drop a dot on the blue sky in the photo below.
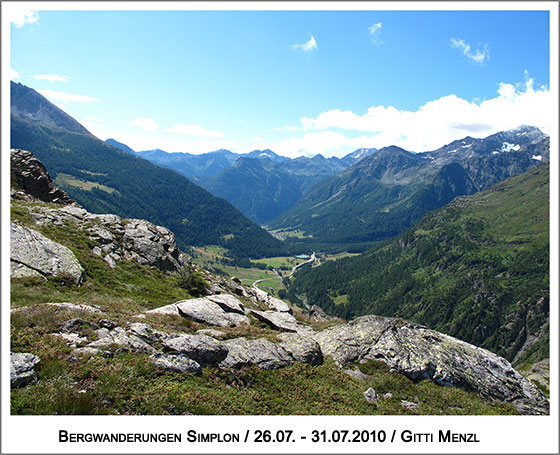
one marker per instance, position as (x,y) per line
(299,83)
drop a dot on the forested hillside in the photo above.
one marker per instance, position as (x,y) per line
(106,180)
(477,269)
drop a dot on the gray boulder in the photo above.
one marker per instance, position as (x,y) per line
(149,244)
(201,348)
(22,368)
(207,312)
(259,352)
(33,254)
(271,302)
(284,322)
(302,348)
(421,353)
(228,303)
(119,337)
(145,332)
(371,396)
(175,361)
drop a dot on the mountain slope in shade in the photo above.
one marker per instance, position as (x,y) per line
(387,191)
(477,269)
(262,188)
(106,180)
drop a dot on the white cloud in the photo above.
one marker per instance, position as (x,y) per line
(195,130)
(67,97)
(437,122)
(286,128)
(306,47)
(146,124)
(13,74)
(51,77)
(19,15)
(375,33)
(481,54)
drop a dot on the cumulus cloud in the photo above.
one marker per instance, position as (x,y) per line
(481,54)
(375,33)
(195,130)
(67,97)
(431,126)
(51,77)
(19,16)
(13,74)
(307,46)
(145,124)
(286,128)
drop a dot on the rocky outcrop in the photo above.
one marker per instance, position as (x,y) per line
(31,176)
(259,352)
(149,244)
(22,368)
(302,348)
(176,362)
(205,311)
(115,238)
(33,254)
(283,322)
(202,349)
(421,353)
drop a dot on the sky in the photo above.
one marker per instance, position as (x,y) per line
(296,82)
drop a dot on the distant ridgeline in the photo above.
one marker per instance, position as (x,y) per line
(387,191)
(477,269)
(106,180)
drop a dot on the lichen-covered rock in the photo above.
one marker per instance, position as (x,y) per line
(421,353)
(228,303)
(284,322)
(145,332)
(201,348)
(302,348)
(175,361)
(272,302)
(119,337)
(149,244)
(33,254)
(371,395)
(259,352)
(22,368)
(29,174)
(207,312)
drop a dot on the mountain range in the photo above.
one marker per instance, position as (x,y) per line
(387,191)
(105,179)
(275,182)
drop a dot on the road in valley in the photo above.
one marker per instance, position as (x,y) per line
(279,277)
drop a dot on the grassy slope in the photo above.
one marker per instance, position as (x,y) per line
(477,269)
(126,383)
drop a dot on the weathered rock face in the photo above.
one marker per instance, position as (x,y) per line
(33,254)
(421,353)
(117,238)
(272,302)
(302,348)
(22,368)
(205,311)
(259,352)
(149,244)
(175,361)
(29,174)
(202,349)
(284,322)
